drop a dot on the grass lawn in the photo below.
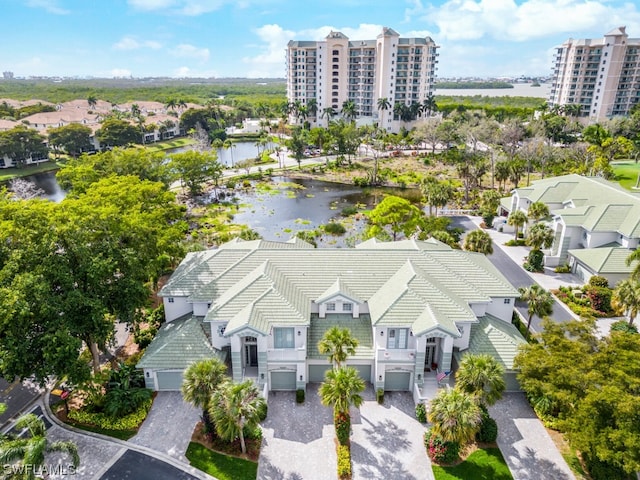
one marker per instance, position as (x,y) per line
(168,144)
(483,464)
(13,172)
(627,173)
(222,467)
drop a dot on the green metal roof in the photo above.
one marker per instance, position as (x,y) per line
(494,337)
(178,344)
(604,259)
(360,329)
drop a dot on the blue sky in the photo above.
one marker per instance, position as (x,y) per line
(247,38)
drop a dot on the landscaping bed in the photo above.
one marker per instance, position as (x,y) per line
(218,445)
(220,466)
(480,462)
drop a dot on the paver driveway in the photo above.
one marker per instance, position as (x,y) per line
(386,442)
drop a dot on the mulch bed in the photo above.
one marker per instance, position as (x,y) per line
(222,446)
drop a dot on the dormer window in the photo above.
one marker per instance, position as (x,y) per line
(331,307)
(347,307)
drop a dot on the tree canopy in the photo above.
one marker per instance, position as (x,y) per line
(397,214)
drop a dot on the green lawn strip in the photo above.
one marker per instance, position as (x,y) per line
(483,464)
(169,144)
(626,173)
(13,172)
(221,466)
(120,434)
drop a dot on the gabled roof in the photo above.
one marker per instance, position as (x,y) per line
(494,337)
(337,288)
(604,259)
(178,344)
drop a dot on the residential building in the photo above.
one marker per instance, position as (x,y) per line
(601,75)
(596,223)
(266,305)
(330,72)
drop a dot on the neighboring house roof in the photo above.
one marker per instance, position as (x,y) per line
(360,329)
(178,344)
(260,284)
(604,259)
(505,203)
(7,124)
(494,337)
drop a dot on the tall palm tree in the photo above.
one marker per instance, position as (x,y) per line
(517,219)
(349,110)
(312,106)
(31,451)
(341,390)
(626,296)
(540,302)
(338,343)
(537,211)
(429,105)
(171,104)
(539,236)
(455,416)
(634,257)
(92,101)
(235,406)
(478,241)
(201,379)
(482,376)
(229,145)
(328,113)
(383,105)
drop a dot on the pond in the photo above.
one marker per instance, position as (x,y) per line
(228,157)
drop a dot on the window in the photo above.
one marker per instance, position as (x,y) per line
(283,338)
(170,299)
(397,338)
(331,307)
(347,307)
(507,301)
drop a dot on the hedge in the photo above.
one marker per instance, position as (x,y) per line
(344,461)
(101,420)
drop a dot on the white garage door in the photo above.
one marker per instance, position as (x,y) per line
(397,381)
(171,381)
(283,380)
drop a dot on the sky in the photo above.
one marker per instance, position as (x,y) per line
(248,38)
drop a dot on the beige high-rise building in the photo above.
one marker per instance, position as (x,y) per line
(326,74)
(601,75)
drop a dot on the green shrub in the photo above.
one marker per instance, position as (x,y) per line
(361,181)
(581,310)
(344,461)
(144,337)
(231,184)
(348,211)
(599,470)
(520,235)
(535,261)
(421,412)
(380,396)
(563,268)
(342,423)
(600,298)
(488,432)
(253,433)
(334,228)
(101,420)
(599,281)
(246,183)
(439,450)
(487,218)
(623,326)
(262,414)
(300,395)
(514,243)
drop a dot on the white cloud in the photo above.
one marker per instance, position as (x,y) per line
(186,72)
(184,50)
(50,6)
(186,7)
(151,4)
(120,72)
(130,43)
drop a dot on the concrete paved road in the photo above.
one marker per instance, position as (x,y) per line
(524,442)
(18,396)
(516,276)
(137,466)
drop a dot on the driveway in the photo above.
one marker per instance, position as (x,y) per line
(525,443)
(169,425)
(386,440)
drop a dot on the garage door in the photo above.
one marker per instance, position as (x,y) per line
(283,380)
(169,380)
(397,381)
(511,382)
(316,372)
(364,371)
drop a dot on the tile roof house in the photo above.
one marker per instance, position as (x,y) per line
(266,305)
(596,223)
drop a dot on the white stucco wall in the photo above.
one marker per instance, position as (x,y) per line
(217,337)
(463,342)
(597,239)
(175,307)
(629,242)
(479,309)
(339,300)
(200,309)
(501,310)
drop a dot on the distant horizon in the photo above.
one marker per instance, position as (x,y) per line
(248,38)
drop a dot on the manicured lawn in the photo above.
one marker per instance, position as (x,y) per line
(13,172)
(627,173)
(222,467)
(483,464)
(168,144)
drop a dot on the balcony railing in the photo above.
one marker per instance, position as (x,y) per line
(396,354)
(287,354)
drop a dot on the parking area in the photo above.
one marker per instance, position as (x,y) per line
(299,440)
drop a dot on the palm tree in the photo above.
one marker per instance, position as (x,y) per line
(482,376)
(540,236)
(626,297)
(634,257)
(383,105)
(537,211)
(328,113)
(229,145)
(235,406)
(338,343)
(135,110)
(429,105)
(92,101)
(455,416)
(478,241)
(30,452)
(540,302)
(349,110)
(341,390)
(201,379)
(517,219)
(312,106)
(436,193)
(171,103)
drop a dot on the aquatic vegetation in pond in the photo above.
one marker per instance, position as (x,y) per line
(302,221)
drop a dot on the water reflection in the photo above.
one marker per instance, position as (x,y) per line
(48,183)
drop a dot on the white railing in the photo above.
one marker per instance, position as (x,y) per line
(394,355)
(287,354)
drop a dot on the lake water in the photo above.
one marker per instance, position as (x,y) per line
(229,157)
(518,90)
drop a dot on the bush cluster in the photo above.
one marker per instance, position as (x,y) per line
(535,261)
(104,421)
(262,414)
(334,228)
(595,301)
(342,423)
(421,412)
(488,432)
(563,268)
(514,243)
(439,450)
(348,211)
(380,396)
(344,461)
(253,433)
(300,395)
